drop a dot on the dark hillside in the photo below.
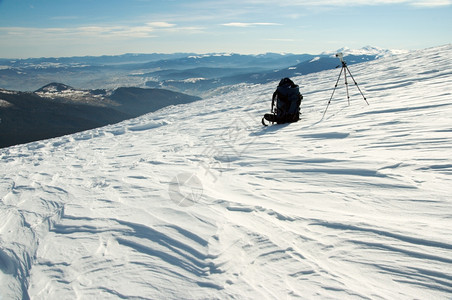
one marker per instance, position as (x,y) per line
(53,111)
(26,117)
(135,101)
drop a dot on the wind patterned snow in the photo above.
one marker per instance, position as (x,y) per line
(200,201)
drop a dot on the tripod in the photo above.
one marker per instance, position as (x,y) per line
(345,70)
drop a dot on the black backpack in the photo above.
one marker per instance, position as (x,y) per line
(286,103)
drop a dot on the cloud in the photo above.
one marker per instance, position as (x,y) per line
(240,24)
(147,30)
(433,3)
(161,24)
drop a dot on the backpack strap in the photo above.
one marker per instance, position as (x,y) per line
(275,94)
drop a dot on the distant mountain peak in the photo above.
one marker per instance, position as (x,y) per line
(366,50)
(54,87)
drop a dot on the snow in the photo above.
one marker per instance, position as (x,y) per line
(69,93)
(193,80)
(8,92)
(314,59)
(210,55)
(368,50)
(4,103)
(199,201)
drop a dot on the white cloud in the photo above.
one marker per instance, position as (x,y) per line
(71,32)
(161,24)
(432,3)
(147,30)
(241,24)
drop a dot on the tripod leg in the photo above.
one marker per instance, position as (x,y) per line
(329,101)
(357,85)
(346,84)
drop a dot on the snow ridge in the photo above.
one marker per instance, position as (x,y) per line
(368,50)
(354,205)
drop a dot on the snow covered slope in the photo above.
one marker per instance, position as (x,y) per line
(199,201)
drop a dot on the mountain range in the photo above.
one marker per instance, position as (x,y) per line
(188,73)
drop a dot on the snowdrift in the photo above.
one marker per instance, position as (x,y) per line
(199,201)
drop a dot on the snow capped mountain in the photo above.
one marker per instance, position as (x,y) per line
(368,50)
(55,87)
(199,201)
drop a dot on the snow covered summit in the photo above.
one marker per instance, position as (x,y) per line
(199,201)
(368,50)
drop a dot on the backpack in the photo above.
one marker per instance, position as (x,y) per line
(286,103)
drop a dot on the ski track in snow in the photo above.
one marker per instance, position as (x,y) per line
(355,205)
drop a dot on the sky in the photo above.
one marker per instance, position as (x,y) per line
(61,28)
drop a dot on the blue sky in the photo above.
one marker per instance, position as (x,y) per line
(44,28)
